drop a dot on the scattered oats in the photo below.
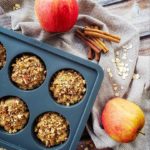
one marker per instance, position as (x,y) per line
(108,70)
(120,69)
(16,7)
(124,57)
(114,84)
(129,46)
(86,148)
(125,50)
(110,74)
(124,70)
(117,53)
(124,76)
(2,149)
(126,65)
(117,60)
(115,88)
(122,87)
(117,94)
(120,64)
(127,69)
(120,73)
(136,76)
(124,47)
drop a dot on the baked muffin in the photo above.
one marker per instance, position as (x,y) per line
(68,87)
(2,55)
(28,72)
(14,114)
(51,129)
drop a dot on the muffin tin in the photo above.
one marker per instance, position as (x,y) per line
(40,100)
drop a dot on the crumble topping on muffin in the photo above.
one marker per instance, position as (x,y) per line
(14,114)
(52,129)
(68,87)
(2,55)
(28,72)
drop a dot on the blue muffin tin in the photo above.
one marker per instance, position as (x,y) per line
(40,100)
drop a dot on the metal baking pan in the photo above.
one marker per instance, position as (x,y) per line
(40,100)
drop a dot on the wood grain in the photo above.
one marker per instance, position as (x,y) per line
(145,46)
(136,12)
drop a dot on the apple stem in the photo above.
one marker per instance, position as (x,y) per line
(141,133)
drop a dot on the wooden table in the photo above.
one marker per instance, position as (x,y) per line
(136,12)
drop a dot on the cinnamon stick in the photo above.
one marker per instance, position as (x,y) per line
(101,44)
(99,35)
(90,53)
(102,32)
(97,56)
(88,41)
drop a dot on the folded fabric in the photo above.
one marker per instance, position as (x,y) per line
(24,21)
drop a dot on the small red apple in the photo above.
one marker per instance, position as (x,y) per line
(56,15)
(122,120)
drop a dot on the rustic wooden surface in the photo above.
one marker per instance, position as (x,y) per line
(137,12)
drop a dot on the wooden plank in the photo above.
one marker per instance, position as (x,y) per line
(110,2)
(88,145)
(145,46)
(136,12)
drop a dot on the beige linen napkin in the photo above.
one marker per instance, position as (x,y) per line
(24,21)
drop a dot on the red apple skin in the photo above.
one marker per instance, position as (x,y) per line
(56,15)
(122,120)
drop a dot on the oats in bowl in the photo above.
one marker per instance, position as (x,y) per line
(28,72)
(68,87)
(14,114)
(2,55)
(51,129)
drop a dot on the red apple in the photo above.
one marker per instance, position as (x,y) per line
(56,15)
(122,120)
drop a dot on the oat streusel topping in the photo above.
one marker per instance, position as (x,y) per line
(28,72)
(13,114)
(68,87)
(2,56)
(52,129)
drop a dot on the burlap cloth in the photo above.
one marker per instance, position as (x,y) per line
(24,21)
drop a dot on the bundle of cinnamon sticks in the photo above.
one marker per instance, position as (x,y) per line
(93,37)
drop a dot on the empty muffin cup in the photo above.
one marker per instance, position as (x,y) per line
(51,129)
(28,72)
(68,87)
(14,114)
(2,55)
